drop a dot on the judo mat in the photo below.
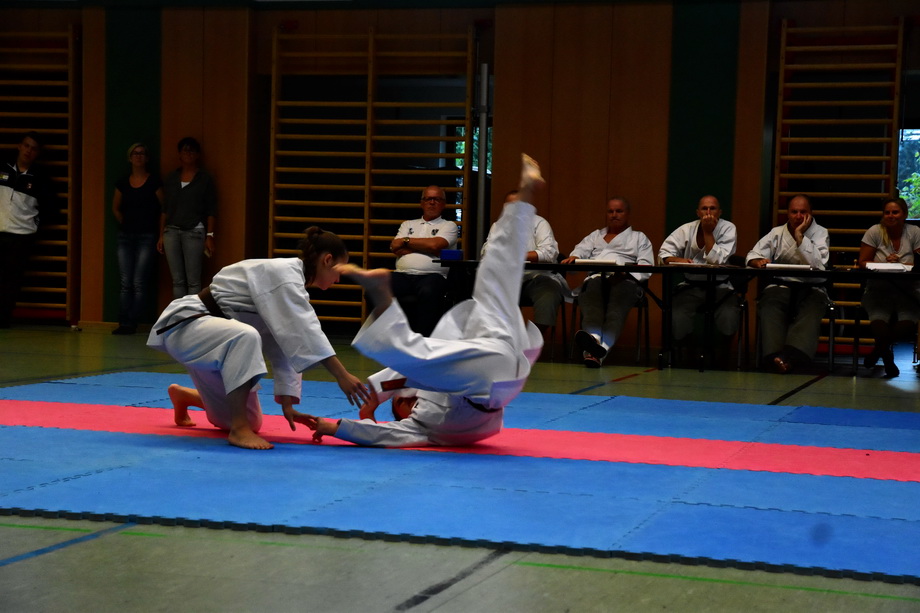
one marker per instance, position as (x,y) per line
(813,490)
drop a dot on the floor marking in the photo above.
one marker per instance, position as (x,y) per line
(81,374)
(713,580)
(76,541)
(795,391)
(53,528)
(603,383)
(437,588)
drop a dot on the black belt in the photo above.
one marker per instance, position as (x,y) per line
(210,304)
(481,408)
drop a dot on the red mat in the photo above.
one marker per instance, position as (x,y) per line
(629,448)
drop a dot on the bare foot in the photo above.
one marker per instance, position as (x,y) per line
(531,179)
(247,439)
(182,398)
(375,281)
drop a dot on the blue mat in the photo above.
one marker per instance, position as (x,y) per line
(803,523)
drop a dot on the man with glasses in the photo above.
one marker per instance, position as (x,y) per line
(419,283)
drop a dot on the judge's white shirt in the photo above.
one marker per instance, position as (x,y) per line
(422,263)
(628,247)
(681,243)
(779,247)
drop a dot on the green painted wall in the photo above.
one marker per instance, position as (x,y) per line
(132,114)
(702,119)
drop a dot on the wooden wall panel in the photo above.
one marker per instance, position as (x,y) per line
(749,196)
(639,111)
(182,99)
(39,20)
(93,165)
(580,127)
(205,94)
(523,93)
(226,66)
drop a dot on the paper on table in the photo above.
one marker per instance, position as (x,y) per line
(790,266)
(888,266)
(586,261)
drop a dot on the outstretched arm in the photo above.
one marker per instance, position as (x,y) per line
(354,389)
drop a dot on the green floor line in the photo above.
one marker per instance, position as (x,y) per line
(33,527)
(719,581)
(186,537)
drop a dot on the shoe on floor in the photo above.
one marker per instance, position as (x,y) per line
(589,345)
(591,362)
(782,365)
(891,369)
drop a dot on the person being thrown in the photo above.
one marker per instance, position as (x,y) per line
(450,388)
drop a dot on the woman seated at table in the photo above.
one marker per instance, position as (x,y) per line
(893,306)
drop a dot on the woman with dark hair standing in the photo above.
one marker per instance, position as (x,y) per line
(136,205)
(893,306)
(253,306)
(187,222)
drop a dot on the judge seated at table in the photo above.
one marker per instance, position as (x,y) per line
(893,305)
(605,300)
(708,240)
(543,289)
(790,309)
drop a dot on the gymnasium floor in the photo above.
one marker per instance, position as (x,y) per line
(82,565)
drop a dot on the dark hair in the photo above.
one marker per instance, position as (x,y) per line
(34,136)
(316,242)
(191,143)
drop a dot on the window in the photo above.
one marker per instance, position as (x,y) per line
(909,170)
(475,156)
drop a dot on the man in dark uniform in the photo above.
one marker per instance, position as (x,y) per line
(26,196)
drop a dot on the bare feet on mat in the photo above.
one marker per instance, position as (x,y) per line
(247,439)
(182,398)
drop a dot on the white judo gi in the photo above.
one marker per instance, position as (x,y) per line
(269,311)
(691,294)
(603,316)
(474,363)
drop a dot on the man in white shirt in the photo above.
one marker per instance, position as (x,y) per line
(710,240)
(603,316)
(417,244)
(790,309)
(544,289)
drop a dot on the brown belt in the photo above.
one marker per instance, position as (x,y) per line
(208,300)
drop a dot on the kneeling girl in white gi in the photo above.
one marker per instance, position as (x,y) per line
(253,306)
(455,383)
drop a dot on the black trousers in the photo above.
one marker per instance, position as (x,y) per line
(15,250)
